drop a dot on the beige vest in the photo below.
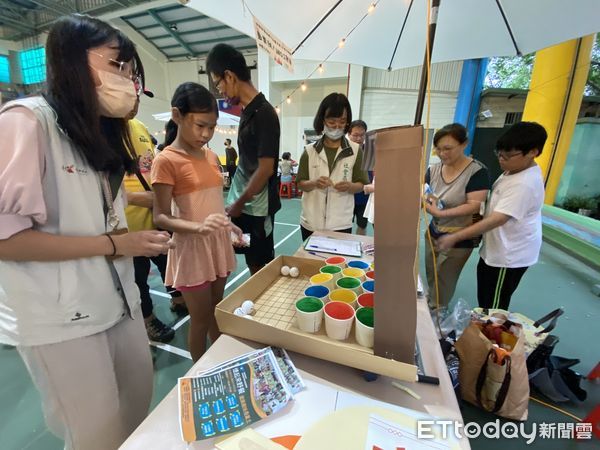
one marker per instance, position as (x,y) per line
(328,209)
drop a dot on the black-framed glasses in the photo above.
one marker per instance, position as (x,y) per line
(217,82)
(505,155)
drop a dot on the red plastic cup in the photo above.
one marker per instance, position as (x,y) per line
(339,317)
(339,310)
(339,261)
(366,300)
(370,275)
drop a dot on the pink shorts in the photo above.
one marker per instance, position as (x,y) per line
(193,288)
(196,287)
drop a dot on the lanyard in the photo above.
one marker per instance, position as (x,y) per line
(111,216)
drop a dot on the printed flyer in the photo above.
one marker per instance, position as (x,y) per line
(237,395)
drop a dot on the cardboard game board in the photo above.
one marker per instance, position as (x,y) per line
(273,323)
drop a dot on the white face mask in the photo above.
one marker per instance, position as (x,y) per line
(333,133)
(116,94)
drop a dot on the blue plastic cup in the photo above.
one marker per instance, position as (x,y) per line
(357,264)
(368,286)
(319,291)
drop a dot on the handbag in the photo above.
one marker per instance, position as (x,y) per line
(552,375)
(494,377)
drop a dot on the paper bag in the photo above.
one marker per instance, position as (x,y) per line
(502,389)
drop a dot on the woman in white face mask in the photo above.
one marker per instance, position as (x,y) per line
(330,171)
(68,300)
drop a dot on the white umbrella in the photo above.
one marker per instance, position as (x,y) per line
(393,36)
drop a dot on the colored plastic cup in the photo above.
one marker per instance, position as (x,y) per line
(358,264)
(373,265)
(353,272)
(339,261)
(309,314)
(324,279)
(368,286)
(366,300)
(364,332)
(350,283)
(339,317)
(319,291)
(370,275)
(344,296)
(336,271)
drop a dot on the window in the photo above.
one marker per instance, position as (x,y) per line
(33,65)
(4,69)
(512,118)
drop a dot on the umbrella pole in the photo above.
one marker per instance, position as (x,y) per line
(435,4)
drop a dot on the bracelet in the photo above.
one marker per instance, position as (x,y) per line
(114,252)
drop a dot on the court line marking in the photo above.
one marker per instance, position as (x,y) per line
(172,349)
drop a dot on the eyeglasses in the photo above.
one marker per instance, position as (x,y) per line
(125,69)
(216,83)
(336,123)
(503,154)
(122,66)
(445,148)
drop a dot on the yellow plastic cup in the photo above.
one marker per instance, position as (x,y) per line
(344,296)
(354,273)
(323,279)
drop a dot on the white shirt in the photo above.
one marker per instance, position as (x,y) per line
(517,243)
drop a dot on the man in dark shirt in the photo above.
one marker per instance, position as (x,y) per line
(253,197)
(230,159)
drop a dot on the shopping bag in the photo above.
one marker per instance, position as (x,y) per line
(492,377)
(533,330)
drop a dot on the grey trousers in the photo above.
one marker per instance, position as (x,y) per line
(97,389)
(449,264)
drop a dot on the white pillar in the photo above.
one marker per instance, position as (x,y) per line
(264,75)
(355,89)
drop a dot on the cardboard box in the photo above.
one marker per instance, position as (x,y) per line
(274,324)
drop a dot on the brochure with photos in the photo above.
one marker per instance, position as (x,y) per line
(232,396)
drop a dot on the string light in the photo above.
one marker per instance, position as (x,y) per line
(320,68)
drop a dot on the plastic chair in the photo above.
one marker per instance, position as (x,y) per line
(285,189)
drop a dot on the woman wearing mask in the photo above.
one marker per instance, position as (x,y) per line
(330,171)
(68,300)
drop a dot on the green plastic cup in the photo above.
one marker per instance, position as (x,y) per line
(336,271)
(309,304)
(349,283)
(309,314)
(365,316)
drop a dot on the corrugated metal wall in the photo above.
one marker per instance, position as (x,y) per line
(445,77)
(390,98)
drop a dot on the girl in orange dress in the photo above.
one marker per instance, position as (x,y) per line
(188,200)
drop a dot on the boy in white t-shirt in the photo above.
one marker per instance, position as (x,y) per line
(512,226)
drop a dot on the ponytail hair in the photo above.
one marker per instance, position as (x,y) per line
(170,132)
